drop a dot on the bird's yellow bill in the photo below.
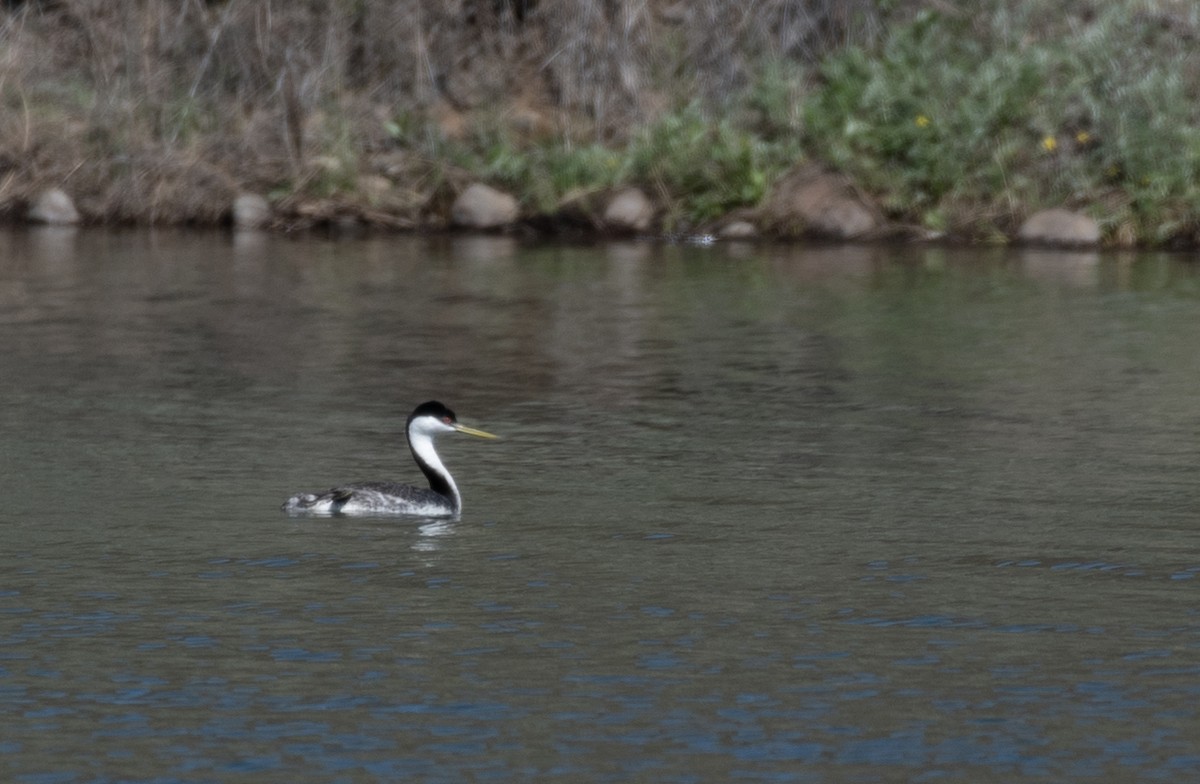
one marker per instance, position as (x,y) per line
(473,432)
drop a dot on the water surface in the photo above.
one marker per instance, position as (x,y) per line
(760,513)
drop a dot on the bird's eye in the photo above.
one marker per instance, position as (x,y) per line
(447,420)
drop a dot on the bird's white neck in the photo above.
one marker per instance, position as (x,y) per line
(431,465)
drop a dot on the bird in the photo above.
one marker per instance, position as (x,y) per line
(440,499)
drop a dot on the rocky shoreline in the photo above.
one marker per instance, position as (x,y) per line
(1010,122)
(807,203)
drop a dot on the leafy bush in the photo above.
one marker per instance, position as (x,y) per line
(707,167)
(932,116)
(970,121)
(701,167)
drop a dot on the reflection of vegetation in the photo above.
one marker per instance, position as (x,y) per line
(958,120)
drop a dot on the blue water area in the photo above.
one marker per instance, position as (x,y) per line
(758,513)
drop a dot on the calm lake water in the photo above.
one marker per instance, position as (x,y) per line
(783,514)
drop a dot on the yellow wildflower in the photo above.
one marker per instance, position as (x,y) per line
(922,121)
(1049,144)
(1083,137)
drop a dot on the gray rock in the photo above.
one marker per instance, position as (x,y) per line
(250,211)
(483,207)
(54,207)
(1059,227)
(812,201)
(844,219)
(629,211)
(738,230)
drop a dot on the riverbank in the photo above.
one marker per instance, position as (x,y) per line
(576,117)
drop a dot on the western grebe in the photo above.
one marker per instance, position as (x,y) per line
(441,499)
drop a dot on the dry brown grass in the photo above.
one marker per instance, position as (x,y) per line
(156,111)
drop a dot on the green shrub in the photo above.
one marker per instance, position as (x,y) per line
(932,116)
(702,167)
(970,121)
(706,166)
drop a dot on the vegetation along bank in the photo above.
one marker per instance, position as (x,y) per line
(1076,122)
